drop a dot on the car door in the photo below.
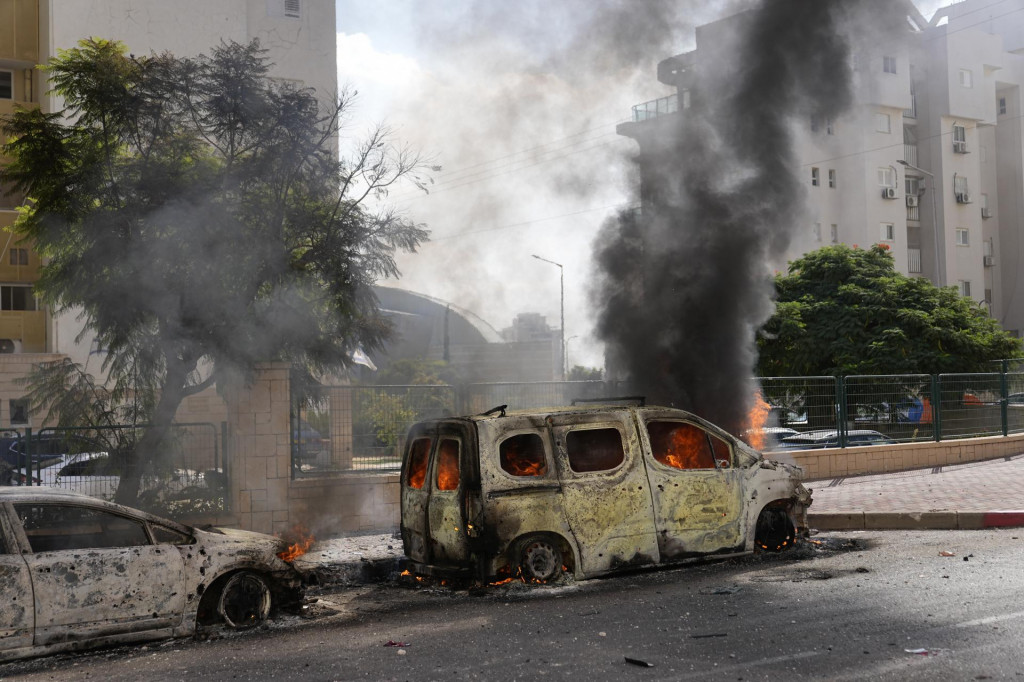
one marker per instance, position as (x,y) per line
(605,492)
(95,573)
(17,612)
(698,501)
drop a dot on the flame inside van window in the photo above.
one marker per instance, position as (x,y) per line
(523,455)
(448,465)
(594,449)
(680,445)
(419,451)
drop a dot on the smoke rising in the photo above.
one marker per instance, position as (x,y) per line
(685,284)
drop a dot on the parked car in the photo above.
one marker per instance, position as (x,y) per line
(769,437)
(94,474)
(44,447)
(309,443)
(829,438)
(80,573)
(587,490)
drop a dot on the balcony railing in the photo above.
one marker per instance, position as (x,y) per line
(914,213)
(910,154)
(914,261)
(656,108)
(912,111)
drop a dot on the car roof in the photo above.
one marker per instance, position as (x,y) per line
(46,494)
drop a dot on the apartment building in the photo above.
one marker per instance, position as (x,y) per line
(300,38)
(929,161)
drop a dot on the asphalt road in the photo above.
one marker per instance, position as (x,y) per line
(849,609)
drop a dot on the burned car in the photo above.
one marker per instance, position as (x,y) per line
(78,572)
(588,491)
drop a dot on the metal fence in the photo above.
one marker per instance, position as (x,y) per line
(188,474)
(361,428)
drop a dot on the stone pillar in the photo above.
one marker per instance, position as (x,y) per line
(259,445)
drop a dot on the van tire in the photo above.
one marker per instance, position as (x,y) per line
(775,531)
(539,558)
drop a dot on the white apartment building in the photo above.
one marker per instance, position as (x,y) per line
(929,161)
(301,42)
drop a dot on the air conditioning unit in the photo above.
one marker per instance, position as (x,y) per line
(989,261)
(888,192)
(986,213)
(10,346)
(963,198)
(911,201)
(960,147)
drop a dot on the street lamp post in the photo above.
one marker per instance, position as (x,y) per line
(935,220)
(561,280)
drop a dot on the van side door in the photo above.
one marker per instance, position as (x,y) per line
(605,492)
(697,491)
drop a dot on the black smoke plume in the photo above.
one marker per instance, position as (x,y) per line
(686,282)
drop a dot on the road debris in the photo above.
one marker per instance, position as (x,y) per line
(638,662)
(714,634)
(392,642)
(946,553)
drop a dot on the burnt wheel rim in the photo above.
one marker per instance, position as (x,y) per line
(541,560)
(245,601)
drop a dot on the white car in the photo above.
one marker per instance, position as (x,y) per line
(81,572)
(93,474)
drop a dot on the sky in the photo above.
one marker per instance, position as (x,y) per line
(519,109)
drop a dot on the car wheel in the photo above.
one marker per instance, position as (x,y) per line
(540,559)
(775,532)
(244,601)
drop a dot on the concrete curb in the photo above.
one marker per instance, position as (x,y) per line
(938,520)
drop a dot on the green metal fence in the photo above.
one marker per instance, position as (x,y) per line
(361,428)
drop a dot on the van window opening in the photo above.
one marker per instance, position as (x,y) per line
(448,465)
(419,452)
(680,445)
(523,455)
(594,450)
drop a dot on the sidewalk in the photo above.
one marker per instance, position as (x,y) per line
(962,497)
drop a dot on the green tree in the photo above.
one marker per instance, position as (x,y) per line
(581,373)
(197,214)
(843,311)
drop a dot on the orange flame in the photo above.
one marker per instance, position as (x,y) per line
(756,419)
(303,541)
(519,463)
(448,465)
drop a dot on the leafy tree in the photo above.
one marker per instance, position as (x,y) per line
(196,212)
(844,311)
(417,372)
(581,373)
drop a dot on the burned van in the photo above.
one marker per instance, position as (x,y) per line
(588,491)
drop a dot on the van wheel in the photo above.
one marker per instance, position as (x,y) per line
(244,600)
(540,559)
(775,532)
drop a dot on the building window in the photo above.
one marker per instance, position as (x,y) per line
(963,238)
(888,232)
(912,186)
(889,64)
(832,178)
(15,297)
(882,124)
(686,99)
(960,189)
(815,177)
(959,133)
(6,85)
(834,233)
(19,256)
(887,177)
(830,128)
(817,232)
(965,287)
(966,78)
(19,411)
(1002,106)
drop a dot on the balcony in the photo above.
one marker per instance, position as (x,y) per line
(655,108)
(914,261)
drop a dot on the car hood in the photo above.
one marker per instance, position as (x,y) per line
(237,537)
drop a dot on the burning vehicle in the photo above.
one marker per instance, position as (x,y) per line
(587,490)
(77,573)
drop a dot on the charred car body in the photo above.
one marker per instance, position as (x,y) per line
(77,573)
(587,490)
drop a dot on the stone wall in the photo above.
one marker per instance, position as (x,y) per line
(265,498)
(878,459)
